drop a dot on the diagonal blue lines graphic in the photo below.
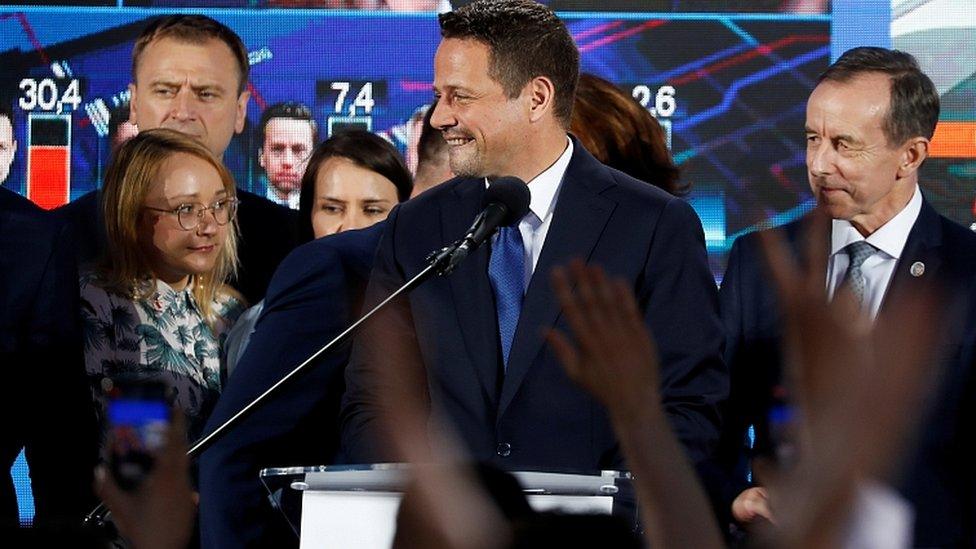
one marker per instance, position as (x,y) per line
(738,85)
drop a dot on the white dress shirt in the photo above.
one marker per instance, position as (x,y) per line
(535,225)
(880,516)
(291,201)
(878,269)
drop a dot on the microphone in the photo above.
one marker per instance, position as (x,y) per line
(506,202)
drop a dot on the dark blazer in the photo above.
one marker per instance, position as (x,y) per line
(267,233)
(314,295)
(535,416)
(939,477)
(47,409)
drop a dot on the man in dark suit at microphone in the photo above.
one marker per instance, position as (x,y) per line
(505,76)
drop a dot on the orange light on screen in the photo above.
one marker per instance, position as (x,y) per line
(954,140)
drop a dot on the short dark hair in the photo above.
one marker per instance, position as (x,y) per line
(913,108)
(622,134)
(288,109)
(431,147)
(194,29)
(7,112)
(366,150)
(525,40)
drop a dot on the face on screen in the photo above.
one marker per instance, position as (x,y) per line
(191,88)
(349,196)
(853,171)
(485,130)
(287,144)
(174,253)
(8,147)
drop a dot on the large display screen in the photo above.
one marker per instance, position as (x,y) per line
(728,88)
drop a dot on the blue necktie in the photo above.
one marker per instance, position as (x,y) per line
(506,270)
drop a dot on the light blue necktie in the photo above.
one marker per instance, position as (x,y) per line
(506,271)
(857,252)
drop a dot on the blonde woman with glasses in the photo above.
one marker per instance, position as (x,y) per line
(158,307)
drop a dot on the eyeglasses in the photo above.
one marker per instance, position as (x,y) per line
(190,215)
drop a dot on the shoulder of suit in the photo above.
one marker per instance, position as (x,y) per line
(635,189)
(324,264)
(329,254)
(253,201)
(958,248)
(748,245)
(431,198)
(20,215)
(15,203)
(957,234)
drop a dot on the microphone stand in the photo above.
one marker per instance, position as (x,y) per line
(441,263)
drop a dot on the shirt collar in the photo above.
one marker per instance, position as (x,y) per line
(291,201)
(544,186)
(890,238)
(165,296)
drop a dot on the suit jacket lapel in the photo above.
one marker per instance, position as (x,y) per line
(474,302)
(922,246)
(578,221)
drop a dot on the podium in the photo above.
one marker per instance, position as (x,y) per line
(356,506)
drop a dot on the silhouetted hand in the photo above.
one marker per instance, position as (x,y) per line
(851,380)
(614,358)
(443,505)
(159,513)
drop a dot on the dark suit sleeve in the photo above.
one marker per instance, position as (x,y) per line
(310,301)
(682,313)
(722,473)
(61,445)
(388,339)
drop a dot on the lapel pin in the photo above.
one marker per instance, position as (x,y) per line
(917,269)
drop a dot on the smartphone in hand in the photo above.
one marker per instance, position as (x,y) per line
(139,417)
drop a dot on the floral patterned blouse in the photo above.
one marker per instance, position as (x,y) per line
(163,338)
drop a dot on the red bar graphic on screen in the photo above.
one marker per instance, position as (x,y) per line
(47,184)
(49,160)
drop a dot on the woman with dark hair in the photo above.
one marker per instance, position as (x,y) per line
(622,134)
(352,181)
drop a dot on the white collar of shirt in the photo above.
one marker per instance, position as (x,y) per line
(166,296)
(545,193)
(545,186)
(890,238)
(878,269)
(291,201)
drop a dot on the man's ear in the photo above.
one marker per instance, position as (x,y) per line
(914,152)
(241,111)
(133,119)
(542,97)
